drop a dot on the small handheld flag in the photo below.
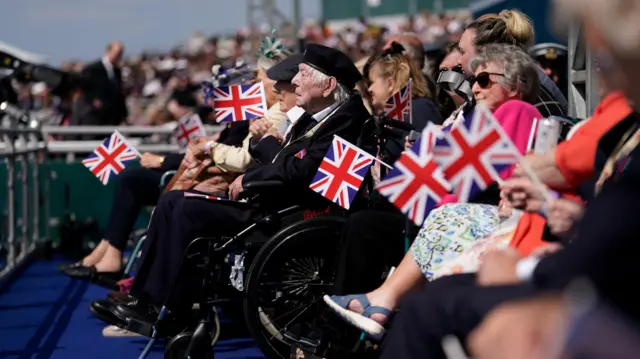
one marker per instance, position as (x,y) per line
(188,129)
(416,184)
(341,172)
(473,154)
(398,107)
(239,102)
(111,157)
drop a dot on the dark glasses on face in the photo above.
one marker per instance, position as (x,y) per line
(483,79)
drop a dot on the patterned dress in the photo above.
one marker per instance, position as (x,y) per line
(449,231)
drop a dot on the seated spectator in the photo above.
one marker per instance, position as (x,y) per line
(324,90)
(505,77)
(229,155)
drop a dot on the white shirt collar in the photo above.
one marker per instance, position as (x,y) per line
(320,116)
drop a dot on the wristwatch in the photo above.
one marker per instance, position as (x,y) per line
(209,146)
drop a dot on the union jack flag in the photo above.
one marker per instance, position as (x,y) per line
(398,107)
(111,157)
(239,102)
(188,129)
(474,153)
(341,172)
(416,184)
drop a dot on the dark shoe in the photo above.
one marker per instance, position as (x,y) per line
(102,309)
(137,310)
(119,297)
(69,266)
(107,280)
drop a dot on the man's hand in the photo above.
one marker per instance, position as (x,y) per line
(274,132)
(150,160)
(235,188)
(407,144)
(259,127)
(562,214)
(498,268)
(528,329)
(522,194)
(97,104)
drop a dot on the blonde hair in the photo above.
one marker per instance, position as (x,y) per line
(508,27)
(392,63)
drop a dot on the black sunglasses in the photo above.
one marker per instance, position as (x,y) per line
(483,79)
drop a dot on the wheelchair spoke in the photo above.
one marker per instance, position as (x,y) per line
(286,326)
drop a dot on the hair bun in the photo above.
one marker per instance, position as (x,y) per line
(395,48)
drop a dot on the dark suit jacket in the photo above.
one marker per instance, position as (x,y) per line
(98,86)
(297,173)
(267,149)
(607,245)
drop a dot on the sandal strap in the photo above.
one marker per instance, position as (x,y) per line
(344,300)
(371,310)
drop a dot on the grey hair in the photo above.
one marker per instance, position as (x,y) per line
(520,70)
(340,94)
(265,63)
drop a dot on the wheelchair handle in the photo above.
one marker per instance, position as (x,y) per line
(395,124)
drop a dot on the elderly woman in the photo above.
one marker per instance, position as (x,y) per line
(506,81)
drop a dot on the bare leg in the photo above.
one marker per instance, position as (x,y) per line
(111,261)
(405,278)
(96,255)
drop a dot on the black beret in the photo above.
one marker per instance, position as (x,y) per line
(333,63)
(286,69)
(549,51)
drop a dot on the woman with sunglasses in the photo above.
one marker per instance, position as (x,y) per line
(506,80)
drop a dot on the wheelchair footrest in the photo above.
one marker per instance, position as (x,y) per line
(140,327)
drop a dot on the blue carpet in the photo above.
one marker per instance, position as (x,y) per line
(44,314)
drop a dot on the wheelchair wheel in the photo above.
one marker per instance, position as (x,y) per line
(176,348)
(287,280)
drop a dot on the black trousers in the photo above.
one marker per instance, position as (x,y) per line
(451,305)
(178,220)
(372,241)
(135,188)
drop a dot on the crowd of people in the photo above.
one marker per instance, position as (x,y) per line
(147,81)
(538,265)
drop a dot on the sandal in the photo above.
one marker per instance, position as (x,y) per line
(339,305)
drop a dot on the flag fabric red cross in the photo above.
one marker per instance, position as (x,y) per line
(188,129)
(398,107)
(111,157)
(416,184)
(239,102)
(341,172)
(473,154)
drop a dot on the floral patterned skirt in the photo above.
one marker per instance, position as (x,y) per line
(449,231)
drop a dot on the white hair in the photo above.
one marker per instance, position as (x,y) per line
(341,92)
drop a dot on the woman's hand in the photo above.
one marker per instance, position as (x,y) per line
(522,194)
(562,215)
(150,160)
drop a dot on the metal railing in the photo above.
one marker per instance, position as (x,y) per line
(24,147)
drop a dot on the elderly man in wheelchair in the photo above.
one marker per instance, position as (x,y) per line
(164,279)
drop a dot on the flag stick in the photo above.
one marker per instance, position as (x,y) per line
(452,348)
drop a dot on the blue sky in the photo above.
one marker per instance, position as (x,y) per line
(66,29)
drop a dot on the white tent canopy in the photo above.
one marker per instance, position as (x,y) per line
(22,54)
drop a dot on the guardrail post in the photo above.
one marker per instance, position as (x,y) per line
(11,202)
(24,179)
(35,178)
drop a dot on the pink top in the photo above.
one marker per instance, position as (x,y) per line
(517,119)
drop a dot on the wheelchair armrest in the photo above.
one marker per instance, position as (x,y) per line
(262,185)
(166,177)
